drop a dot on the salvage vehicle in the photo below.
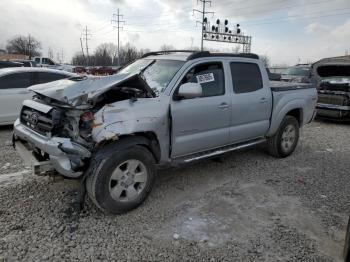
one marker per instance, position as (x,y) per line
(332,78)
(13,88)
(163,110)
(300,73)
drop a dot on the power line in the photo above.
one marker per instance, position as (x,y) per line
(287,19)
(203,12)
(119,22)
(269,9)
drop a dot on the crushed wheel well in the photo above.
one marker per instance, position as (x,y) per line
(152,143)
(298,114)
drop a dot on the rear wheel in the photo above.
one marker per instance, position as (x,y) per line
(284,142)
(122,180)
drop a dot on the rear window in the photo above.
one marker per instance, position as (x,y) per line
(246,77)
(17,80)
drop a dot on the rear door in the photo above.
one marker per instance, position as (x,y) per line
(251,102)
(201,123)
(13,90)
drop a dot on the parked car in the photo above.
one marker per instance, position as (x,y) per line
(26,63)
(6,64)
(332,77)
(161,110)
(13,88)
(300,73)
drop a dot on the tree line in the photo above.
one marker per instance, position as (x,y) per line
(105,54)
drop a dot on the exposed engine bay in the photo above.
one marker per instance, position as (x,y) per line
(77,122)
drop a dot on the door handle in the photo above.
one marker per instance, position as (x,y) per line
(223,106)
(263,100)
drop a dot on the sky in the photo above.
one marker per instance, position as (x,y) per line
(287,31)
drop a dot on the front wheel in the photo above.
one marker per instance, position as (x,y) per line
(284,142)
(122,180)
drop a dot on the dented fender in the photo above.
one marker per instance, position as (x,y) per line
(130,117)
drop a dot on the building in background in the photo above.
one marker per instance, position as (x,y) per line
(9,57)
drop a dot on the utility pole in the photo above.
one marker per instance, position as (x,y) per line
(119,22)
(86,38)
(82,49)
(203,12)
(29,47)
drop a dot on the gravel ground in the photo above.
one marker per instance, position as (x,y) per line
(245,206)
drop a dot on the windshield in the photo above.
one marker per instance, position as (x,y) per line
(158,73)
(297,71)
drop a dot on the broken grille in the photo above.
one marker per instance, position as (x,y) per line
(36,120)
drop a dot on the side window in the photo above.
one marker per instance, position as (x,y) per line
(49,77)
(37,60)
(17,80)
(210,76)
(45,61)
(246,77)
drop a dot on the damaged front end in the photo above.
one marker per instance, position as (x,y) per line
(54,130)
(333,84)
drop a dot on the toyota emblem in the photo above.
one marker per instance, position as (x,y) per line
(34,119)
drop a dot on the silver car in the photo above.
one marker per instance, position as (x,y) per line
(13,88)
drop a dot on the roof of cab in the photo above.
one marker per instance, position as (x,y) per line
(11,70)
(185,55)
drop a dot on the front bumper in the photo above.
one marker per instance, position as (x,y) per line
(63,154)
(333,111)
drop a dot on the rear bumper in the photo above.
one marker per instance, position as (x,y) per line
(333,111)
(63,154)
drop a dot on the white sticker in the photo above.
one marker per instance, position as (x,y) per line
(205,78)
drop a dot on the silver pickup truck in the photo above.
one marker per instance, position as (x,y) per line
(162,110)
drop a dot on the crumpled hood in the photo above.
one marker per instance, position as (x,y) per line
(76,92)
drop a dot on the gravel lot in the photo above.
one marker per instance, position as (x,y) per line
(245,206)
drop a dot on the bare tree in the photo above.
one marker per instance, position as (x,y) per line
(78,59)
(50,53)
(103,56)
(24,45)
(165,47)
(266,60)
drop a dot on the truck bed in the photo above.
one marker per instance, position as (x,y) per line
(278,86)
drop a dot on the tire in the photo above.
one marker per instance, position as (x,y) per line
(284,142)
(121,180)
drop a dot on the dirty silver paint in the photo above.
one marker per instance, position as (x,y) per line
(245,116)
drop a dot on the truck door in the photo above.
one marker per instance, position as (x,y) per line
(251,102)
(13,90)
(201,123)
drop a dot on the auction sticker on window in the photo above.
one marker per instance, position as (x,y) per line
(205,78)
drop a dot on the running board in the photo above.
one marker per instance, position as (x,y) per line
(221,150)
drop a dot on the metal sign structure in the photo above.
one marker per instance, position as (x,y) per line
(220,32)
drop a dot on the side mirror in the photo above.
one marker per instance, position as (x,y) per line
(189,90)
